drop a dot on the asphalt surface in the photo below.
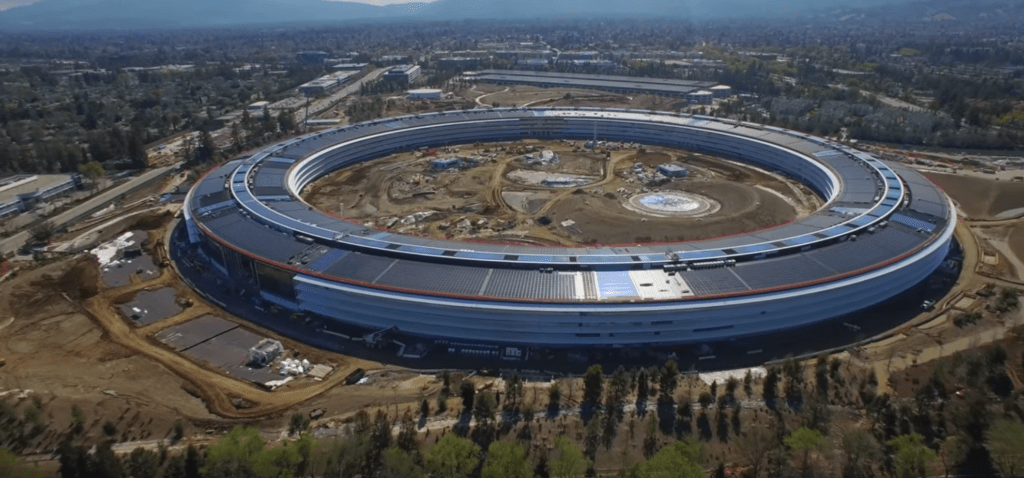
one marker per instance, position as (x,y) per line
(151,306)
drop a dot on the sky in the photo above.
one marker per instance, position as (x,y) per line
(5,4)
(379,2)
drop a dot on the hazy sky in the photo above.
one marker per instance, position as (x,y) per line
(381,2)
(5,4)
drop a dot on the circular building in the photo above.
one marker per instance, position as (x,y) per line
(883,229)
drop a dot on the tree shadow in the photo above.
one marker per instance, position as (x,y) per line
(722,426)
(704,427)
(483,434)
(509,419)
(461,427)
(684,426)
(553,410)
(641,407)
(666,417)
(587,411)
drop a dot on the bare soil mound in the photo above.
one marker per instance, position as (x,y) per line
(78,279)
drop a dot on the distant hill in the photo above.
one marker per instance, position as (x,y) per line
(683,9)
(940,11)
(146,14)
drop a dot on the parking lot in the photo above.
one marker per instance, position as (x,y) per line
(151,306)
(219,343)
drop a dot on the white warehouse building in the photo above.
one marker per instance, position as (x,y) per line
(425,94)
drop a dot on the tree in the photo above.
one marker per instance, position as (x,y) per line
(680,459)
(541,469)
(236,138)
(643,386)
(951,452)
(554,397)
(770,388)
(803,441)
(593,383)
(483,407)
(912,458)
(406,439)
(424,408)
(442,403)
(74,460)
(467,391)
(137,150)
(615,398)
(705,400)
(43,231)
(668,381)
(297,424)
(794,372)
(528,413)
(396,463)
(77,419)
(234,455)
(861,450)
(730,389)
(177,430)
(817,415)
(453,457)
(1004,444)
(103,463)
(207,150)
(92,171)
(755,446)
(277,462)
(446,383)
(513,391)
(506,460)
(570,463)
(285,121)
(12,465)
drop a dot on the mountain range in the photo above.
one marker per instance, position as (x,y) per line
(146,14)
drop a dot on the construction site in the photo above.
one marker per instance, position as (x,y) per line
(103,321)
(561,193)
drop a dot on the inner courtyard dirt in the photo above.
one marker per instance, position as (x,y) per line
(557,193)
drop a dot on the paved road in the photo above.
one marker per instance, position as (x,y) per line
(318,106)
(14,242)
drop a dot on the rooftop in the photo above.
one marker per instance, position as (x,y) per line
(14,186)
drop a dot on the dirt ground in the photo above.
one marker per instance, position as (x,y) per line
(1008,241)
(66,343)
(981,198)
(1016,243)
(495,201)
(53,349)
(523,95)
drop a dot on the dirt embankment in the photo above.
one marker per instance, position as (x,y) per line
(981,198)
